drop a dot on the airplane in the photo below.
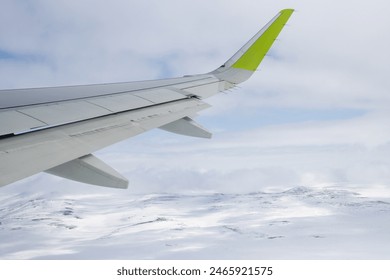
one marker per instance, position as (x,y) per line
(57,129)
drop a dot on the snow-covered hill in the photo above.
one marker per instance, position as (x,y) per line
(300,223)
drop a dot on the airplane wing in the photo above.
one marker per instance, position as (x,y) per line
(57,129)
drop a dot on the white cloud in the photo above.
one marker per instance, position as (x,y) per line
(333,55)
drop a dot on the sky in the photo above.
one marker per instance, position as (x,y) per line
(316,113)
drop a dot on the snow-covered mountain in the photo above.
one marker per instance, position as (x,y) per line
(299,223)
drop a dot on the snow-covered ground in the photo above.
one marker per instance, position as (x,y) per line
(297,223)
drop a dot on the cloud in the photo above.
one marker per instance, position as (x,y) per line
(315,113)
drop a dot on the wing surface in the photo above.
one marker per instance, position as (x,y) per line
(56,129)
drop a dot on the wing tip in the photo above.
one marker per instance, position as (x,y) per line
(246,61)
(289,10)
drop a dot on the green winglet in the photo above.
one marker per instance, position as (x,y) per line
(251,59)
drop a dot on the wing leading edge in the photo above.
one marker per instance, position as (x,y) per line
(57,129)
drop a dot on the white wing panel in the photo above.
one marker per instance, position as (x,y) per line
(121,102)
(12,121)
(160,95)
(205,90)
(65,112)
(198,82)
